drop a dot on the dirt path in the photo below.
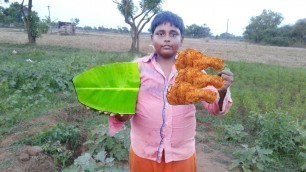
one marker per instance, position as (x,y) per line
(228,50)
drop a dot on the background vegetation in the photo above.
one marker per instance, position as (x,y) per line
(268,115)
(265,127)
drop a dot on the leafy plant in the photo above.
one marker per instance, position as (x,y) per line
(277,132)
(234,132)
(60,154)
(103,150)
(280,132)
(302,156)
(252,159)
(65,134)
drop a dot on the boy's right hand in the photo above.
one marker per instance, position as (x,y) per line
(119,117)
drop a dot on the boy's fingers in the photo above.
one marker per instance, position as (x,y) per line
(225,72)
(112,114)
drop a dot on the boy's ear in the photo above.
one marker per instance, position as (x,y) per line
(182,39)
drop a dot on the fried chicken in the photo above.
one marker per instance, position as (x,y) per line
(198,78)
(190,80)
(195,59)
(185,93)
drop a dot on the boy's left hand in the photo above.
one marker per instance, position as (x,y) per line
(228,77)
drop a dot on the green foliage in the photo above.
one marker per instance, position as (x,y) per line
(259,24)
(252,159)
(234,133)
(277,132)
(269,102)
(65,134)
(283,129)
(37,79)
(265,88)
(299,31)
(11,15)
(196,31)
(103,150)
(116,147)
(59,142)
(302,156)
(60,154)
(264,29)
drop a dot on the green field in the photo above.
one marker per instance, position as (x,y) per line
(35,81)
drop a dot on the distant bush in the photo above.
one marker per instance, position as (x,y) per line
(278,41)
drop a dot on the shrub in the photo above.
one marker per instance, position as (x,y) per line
(277,143)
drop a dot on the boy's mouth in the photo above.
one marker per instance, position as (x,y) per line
(167,47)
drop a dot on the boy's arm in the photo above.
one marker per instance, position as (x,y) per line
(224,101)
(116,121)
(222,105)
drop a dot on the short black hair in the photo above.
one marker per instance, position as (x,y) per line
(165,17)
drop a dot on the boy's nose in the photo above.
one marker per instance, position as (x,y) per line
(167,38)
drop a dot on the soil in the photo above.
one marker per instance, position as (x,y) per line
(209,157)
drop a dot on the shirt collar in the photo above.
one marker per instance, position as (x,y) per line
(149,58)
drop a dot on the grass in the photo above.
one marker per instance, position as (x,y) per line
(30,89)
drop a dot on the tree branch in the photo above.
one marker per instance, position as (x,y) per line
(143,18)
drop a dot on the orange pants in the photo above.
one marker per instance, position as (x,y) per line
(138,164)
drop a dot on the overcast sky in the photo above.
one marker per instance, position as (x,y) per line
(213,13)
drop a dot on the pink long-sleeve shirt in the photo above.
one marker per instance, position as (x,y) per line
(158,126)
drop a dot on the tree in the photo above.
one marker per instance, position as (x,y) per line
(299,30)
(31,21)
(196,31)
(76,21)
(137,17)
(11,15)
(267,20)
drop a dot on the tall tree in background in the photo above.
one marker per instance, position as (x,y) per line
(137,17)
(267,20)
(299,30)
(31,21)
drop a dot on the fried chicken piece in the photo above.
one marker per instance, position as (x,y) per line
(190,80)
(195,59)
(185,93)
(198,78)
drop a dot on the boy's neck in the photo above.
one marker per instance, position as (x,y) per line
(165,61)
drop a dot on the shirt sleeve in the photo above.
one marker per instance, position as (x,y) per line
(213,108)
(114,125)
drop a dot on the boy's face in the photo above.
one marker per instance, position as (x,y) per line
(167,40)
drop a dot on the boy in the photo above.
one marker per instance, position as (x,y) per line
(163,135)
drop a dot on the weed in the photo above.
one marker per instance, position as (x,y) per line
(234,133)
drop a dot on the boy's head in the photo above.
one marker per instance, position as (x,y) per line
(168,17)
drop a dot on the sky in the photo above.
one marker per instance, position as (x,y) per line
(213,13)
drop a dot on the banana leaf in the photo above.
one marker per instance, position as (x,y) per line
(112,88)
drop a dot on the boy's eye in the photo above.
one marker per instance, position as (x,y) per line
(163,34)
(174,34)
(160,34)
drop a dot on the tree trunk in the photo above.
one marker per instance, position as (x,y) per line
(32,39)
(135,40)
(27,19)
